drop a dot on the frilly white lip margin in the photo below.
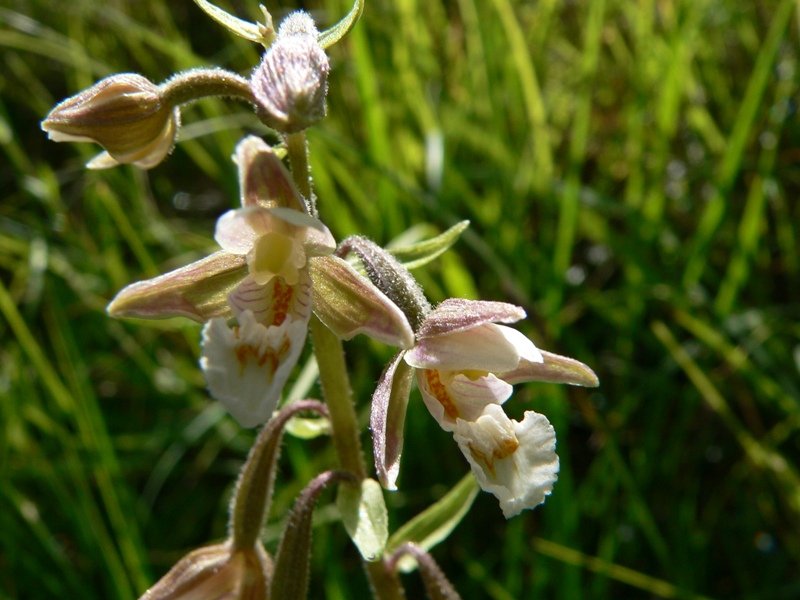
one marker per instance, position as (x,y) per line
(515,461)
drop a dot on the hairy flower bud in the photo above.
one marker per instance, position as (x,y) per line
(291,82)
(123,113)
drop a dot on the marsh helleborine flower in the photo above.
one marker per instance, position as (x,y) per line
(272,271)
(465,365)
(123,113)
(291,82)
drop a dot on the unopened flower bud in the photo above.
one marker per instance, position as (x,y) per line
(123,113)
(291,82)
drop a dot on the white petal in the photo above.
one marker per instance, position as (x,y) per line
(235,231)
(454,396)
(102,161)
(272,303)
(487,347)
(247,366)
(514,461)
(522,343)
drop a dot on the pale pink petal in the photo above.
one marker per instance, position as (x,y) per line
(515,461)
(473,395)
(387,419)
(486,347)
(553,369)
(235,232)
(525,347)
(263,179)
(272,303)
(458,314)
(450,396)
(247,366)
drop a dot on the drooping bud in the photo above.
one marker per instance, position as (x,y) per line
(291,82)
(123,113)
(216,572)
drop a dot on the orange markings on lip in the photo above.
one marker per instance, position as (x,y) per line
(245,353)
(440,392)
(505,448)
(281,296)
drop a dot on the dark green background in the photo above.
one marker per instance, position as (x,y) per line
(631,172)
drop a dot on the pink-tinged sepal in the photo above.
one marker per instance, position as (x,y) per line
(515,461)
(246,366)
(458,314)
(263,179)
(197,291)
(553,369)
(387,419)
(349,304)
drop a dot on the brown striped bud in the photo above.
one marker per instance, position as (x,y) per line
(123,113)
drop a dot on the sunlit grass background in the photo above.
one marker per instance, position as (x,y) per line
(631,170)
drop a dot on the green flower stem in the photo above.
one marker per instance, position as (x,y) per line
(339,398)
(335,384)
(298,160)
(201,83)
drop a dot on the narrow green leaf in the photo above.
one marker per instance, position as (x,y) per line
(365,518)
(434,524)
(247,30)
(330,36)
(422,253)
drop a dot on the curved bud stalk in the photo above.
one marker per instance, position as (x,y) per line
(253,495)
(437,586)
(290,578)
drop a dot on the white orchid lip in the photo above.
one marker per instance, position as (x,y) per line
(487,347)
(515,461)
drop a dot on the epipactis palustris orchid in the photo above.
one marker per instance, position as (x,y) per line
(274,269)
(465,365)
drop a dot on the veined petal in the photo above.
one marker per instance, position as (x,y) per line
(247,366)
(272,303)
(451,397)
(458,314)
(263,179)
(237,230)
(387,419)
(553,369)
(197,291)
(487,347)
(349,304)
(515,461)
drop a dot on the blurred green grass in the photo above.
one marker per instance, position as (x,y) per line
(631,173)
